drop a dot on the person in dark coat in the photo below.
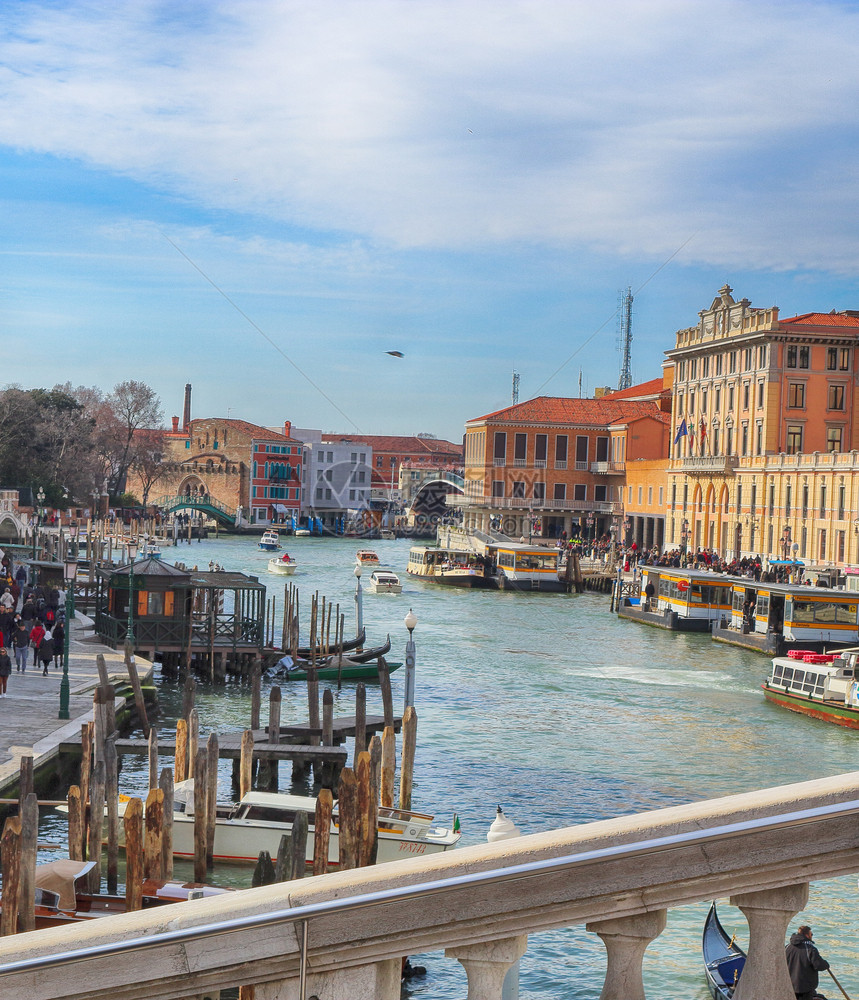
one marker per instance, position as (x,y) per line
(804,963)
(5,670)
(37,633)
(59,633)
(46,651)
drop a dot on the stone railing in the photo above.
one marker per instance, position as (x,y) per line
(343,935)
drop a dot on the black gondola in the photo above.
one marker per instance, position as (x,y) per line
(304,652)
(723,960)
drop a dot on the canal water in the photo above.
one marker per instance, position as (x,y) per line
(554,708)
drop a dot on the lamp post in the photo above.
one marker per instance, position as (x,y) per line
(410,621)
(129,632)
(359,602)
(684,535)
(70,572)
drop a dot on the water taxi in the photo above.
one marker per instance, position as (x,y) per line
(258,822)
(773,618)
(822,685)
(448,566)
(383,581)
(270,541)
(282,565)
(681,600)
(366,557)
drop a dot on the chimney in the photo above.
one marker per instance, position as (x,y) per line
(287,428)
(186,417)
(175,425)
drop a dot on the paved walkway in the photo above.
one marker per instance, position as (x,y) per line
(29,722)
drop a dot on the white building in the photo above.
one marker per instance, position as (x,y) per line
(335,478)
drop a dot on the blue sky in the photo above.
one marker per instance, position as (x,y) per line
(470,183)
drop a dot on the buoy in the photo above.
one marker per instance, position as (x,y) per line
(502,828)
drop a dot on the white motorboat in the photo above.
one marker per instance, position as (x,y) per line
(366,557)
(383,581)
(261,818)
(302,533)
(282,565)
(270,541)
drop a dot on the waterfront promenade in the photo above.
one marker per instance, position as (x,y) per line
(29,722)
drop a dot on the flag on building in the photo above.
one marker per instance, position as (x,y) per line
(703,434)
(682,431)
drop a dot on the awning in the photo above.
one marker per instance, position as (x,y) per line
(786,562)
(279,508)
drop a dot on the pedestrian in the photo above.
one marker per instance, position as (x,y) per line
(803,963)
(5,670)
(6,599)
(21,645)
(59,633)
(37,633)
(46,651)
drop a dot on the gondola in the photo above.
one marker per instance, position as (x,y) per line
(303,652)
(723,960)
(358,665)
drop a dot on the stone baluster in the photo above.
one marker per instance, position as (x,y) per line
(486,964)
(769,912)
(626,939)
(378,980)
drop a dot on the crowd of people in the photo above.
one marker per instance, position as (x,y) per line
(32,620)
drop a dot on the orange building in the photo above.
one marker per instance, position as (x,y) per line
(555,464)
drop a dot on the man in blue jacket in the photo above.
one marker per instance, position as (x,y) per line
(804,962)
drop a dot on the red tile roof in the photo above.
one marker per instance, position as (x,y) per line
(384,443)
(655,387)
(565,410)
(823,319)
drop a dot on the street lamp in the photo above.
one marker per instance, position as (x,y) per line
(684,534)
(410,622)
(129,632)
(359,601)
(70,573)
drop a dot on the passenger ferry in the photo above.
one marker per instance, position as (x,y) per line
(448,566)
(773,618)
(683,600)
(822,685)
(519,566)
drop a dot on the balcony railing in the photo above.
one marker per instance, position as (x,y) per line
(343,934)
(707,463)
(535,504)
(608,468)
(499,463)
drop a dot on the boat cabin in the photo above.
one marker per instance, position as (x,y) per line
(519,566)
(825,677)
(798,612)
(687,600)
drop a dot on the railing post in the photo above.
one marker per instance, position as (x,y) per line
(374,981)
(626,939)
(486,964)
(765,975)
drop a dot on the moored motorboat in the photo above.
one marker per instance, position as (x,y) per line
(723,958)
(383,581)
(283,565)
(270,541)
(258,822)
(822,685)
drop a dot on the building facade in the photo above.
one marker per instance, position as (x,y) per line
(336,480)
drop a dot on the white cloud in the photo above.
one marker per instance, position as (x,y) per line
(624,125)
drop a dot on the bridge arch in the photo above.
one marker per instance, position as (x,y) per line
(428,504)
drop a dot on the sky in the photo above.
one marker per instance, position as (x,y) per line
(263,197)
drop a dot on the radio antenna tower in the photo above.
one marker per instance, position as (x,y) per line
(624,338)
(515,388)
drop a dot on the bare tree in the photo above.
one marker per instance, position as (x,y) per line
(147,460)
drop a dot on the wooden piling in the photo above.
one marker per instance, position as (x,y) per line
(349,835)
(101,665)
(193,741)
(385,688)
(153,837)
(139,703)
(111,796)
(181,759)
(246,763)
(27,871)
(10,852)
(368,811)
(201,813)
(264,873)
(389,766)
(77,825)
(299,846)
(322,830)
(271,771)
(375,751)
(283,865)
(360,721)
(327,718)
(256,685)
(407,765)
(96,824)
(87,731)
(165,783)
(153,758)
(189,696)
(133,822)
(25,779)
(211,795)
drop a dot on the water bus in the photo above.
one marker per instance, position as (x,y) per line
(822,685)
(773,618)
(681,600)
(452,567)
(520,566)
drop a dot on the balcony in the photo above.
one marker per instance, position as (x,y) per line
(712,464)
(535,504)
(616,879)
(608,468)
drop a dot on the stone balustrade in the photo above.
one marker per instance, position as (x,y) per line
(342,935)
